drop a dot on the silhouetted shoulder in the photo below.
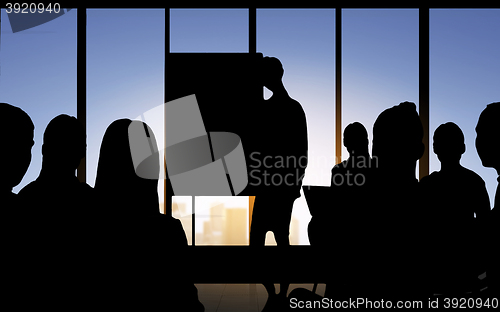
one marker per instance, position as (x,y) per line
(471,176)
(295,105)
(176,234)
(461,176)
(340,166)
(29,190)
(287,106)
(424,180)
(429,179)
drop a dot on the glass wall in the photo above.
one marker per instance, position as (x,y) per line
(125,76)
(221,220)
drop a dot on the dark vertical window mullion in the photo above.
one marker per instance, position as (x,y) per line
(166,180)
(167,51)
(252,30)
(167,210)
(252,48)
(81,104)
(338,85)
(423,86)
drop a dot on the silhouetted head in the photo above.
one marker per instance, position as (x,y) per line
(271,72)
(116,181)
(356,139)
(16,135)
(397,138)
(488,136)
(449,142)
(64,143)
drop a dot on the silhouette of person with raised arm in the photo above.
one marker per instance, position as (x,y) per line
(394,221)
(487,143)
(17,140)
(57,190)
(452,196)
(134,236)
(283,157)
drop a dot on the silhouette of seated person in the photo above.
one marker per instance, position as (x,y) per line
(349,181)
(393,220)
(487,143)
(356,218)
(57,191)
(335,228)
(282,133)
(17,140)
(140,247)
(452,196)
(356,143)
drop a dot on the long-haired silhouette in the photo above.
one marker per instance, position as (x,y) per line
(135,237)
(117,184)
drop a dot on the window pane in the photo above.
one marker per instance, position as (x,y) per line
(221,220)
(208,30)
(125,73)
(464,62)
(379,63)
(38,74)
(303,40)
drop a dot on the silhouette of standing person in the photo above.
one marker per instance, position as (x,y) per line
(394,219)
(487,143)
(452,196)
(134,237)
(283,155)
(57,191)
(58,207)
(17,140)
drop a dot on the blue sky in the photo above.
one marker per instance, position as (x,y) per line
(380,69)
